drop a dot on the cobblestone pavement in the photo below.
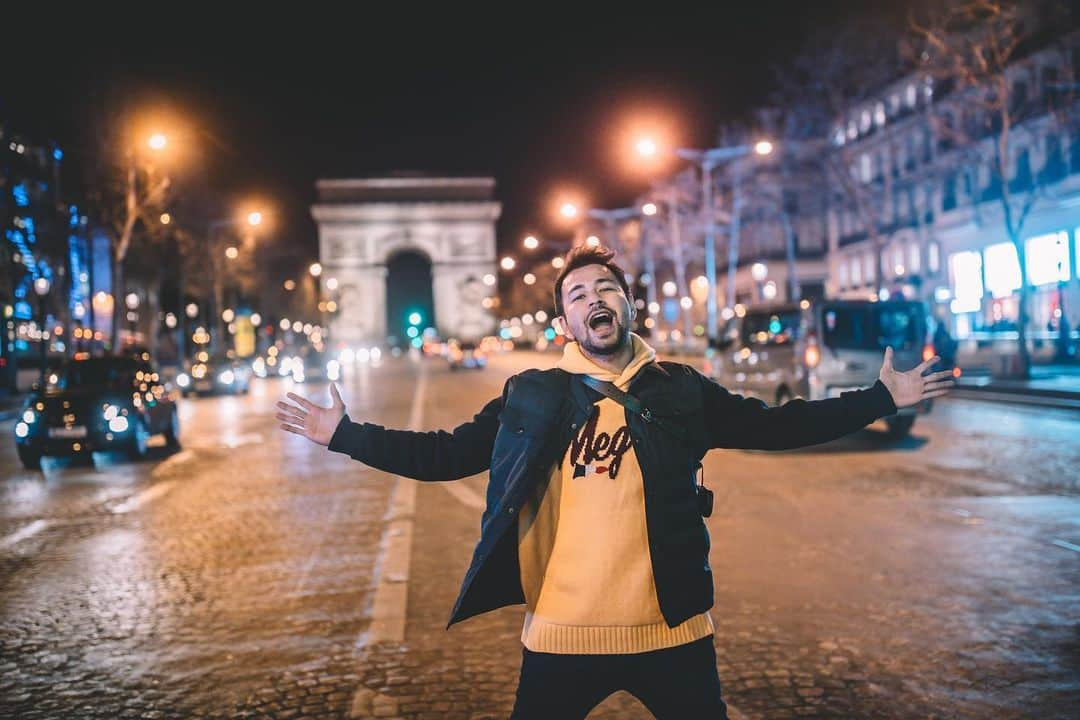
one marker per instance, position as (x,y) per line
(862,579)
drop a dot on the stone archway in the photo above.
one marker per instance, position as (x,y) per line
(408,290)
(364,223)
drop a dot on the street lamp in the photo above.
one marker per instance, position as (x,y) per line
(507,263)
(530,242)
(41,287)
(315,269)
(707,160)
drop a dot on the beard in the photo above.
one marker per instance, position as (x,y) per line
(622,338)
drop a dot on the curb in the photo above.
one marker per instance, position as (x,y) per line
(1068,402)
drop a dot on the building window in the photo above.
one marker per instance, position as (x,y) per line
(1054,166)
(864,121)
(856,271)
(1002,269)
(879,114)
(868,268)
(948,193)
(894,104)
(965,269)
(914,261)
(852,130)
(842,273)
(933,260)
(1021,181)
(865,167)
(898,260)
(838,136)
(1047,258)
(911,96)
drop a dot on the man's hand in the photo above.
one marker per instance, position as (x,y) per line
(908,388)
(312,421)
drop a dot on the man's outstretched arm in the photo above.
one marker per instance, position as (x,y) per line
(433,455)
(733,421)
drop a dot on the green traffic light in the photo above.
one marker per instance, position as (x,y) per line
(415,318)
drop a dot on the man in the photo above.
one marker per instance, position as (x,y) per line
(593,519)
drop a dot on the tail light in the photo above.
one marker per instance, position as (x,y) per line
(927,352)
(812,353)
(956,372)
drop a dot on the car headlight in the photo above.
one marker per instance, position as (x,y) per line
(29,417)
(21,429)
(118,424)
(111,412)
(199,371)
(227,377)
(183,380)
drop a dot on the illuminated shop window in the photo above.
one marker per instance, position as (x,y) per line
(967,285)
(1002,269)
(1048,258)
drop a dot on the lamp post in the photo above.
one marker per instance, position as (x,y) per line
(707,160)
(41,287)
(609,218)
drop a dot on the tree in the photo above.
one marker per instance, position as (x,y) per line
(976,50)
(829,92)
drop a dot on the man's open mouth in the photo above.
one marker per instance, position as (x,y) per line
(601,319)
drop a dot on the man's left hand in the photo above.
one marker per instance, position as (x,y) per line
(911,387)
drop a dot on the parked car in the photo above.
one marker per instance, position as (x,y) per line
(217,374)
(819,349)
(106,403)
(465,355)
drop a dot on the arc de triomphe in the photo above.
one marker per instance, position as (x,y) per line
(363,223)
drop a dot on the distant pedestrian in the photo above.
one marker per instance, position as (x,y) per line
(944,346)
(594,511)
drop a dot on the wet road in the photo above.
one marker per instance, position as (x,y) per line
(254,574)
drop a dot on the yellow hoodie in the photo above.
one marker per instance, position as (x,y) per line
(583,546)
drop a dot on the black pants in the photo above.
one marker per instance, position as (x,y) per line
(678,683)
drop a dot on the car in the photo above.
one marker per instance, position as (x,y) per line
(97,404)
(818,349)
(465,355)
(213,375)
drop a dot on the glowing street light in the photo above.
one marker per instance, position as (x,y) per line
(649,209)
(256,319)
(192,310)
(315,269)
(331,283)
(568,210)
(646,147)
(231,252)
(557,263)
(592,241)
(763,147)
(132,301)
(529,279)
(165,218)
(289,285)
(157,141)
(507,263)
(254,218)
(531,243)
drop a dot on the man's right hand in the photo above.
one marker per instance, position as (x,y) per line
(310,420)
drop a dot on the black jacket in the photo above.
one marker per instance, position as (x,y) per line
(522,434)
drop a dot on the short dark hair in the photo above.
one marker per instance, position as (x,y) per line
(583,255)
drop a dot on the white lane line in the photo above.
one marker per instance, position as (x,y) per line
(1065,544)
(239,440)
(19,535)
(465,494)
(392,569)
(146,496)
(169,463)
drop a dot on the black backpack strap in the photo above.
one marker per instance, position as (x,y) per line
(632,404)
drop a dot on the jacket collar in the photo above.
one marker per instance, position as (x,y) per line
(584,397)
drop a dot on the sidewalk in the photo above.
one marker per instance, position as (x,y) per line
(1050,385)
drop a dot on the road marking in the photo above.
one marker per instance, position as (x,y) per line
(1066,545)
(169,463)
(239,440)
(465,494)
(146,496)
(19,535)
(392,568)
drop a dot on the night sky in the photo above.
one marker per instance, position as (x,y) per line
(533,97)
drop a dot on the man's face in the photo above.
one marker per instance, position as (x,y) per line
(596,312)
